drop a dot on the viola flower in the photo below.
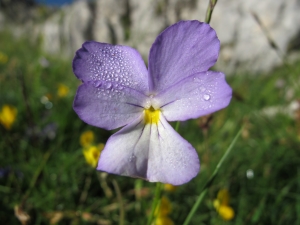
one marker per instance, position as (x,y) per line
(119,91)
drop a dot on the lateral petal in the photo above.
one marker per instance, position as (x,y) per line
(150,151)
(183,49)
(108,105)
(111,63)
(194,96)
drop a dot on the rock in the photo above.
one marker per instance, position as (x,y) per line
(245,28)
(66,30)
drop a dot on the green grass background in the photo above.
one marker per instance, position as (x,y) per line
(49,176)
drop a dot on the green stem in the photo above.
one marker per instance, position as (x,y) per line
(155,202)
(210,180)
(210,9)
(35,176)
(120,201)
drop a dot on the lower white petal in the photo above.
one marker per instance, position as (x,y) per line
(151,151)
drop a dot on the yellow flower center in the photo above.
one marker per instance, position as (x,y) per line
(151,115)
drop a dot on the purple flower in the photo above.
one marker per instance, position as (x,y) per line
(118,91)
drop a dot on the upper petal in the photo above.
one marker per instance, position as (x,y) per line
(151,151)
(194,96)
(113,63)
(183,49)
(108,105)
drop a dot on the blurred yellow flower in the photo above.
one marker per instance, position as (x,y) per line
(162,211)
(163,221)
(62,90)
(170,187)
(8,116)
(221,204)
(92,154)
(223,197)
(164,208)
(3,58)
(226,212)
(87,138)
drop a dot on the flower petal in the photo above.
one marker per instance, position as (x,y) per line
(195,96)
(153,152)
(108,105)
(113,63)
(172,159)
(183,49)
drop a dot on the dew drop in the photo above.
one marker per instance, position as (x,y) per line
(97,83)
(202,89)
(206,97)
(131,158)
(108,85)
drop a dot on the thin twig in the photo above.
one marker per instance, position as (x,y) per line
(102,179)
(86,187)
(274,46)
(121,206)
(271,41)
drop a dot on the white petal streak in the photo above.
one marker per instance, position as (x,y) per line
(126,152)
(152,152)
(171,158)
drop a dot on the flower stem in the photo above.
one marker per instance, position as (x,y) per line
(210,180)
(155,202)
(210,9)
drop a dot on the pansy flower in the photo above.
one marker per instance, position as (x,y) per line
(119,91)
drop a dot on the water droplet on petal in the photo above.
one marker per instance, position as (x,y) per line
(202,89)
(206,97)
(131,158)
(108,85)
(97,83)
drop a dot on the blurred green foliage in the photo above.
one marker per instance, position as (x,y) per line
(44,174)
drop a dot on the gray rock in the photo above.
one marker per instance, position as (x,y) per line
(244,44)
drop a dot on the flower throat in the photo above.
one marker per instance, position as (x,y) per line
(151,115)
